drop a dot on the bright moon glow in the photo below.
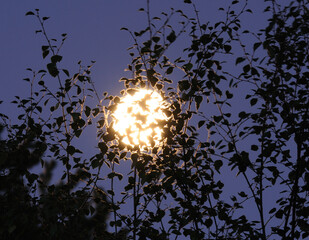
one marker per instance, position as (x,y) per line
(137,118)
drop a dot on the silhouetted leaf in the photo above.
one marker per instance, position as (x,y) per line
(66,72)
(198,101)
(29,13)
(56,58)
(171,37)
(227,48)
(45,53)
(256,45)
(239,60)
(103,147)
(169,70)
(253,101)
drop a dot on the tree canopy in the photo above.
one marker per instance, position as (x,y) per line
(174,189)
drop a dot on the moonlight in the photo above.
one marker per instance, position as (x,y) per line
(138,118)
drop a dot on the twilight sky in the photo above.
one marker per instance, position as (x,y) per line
(93,29)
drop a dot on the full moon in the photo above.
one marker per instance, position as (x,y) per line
(137,117)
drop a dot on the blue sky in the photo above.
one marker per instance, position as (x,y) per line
(93,29)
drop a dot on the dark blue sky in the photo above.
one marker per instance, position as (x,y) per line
(93,29)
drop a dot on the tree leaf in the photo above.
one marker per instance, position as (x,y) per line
(253,101)
(169,70)
(198,100)
(256,45)
(56,58)
(29,13)
(45,53)
(171,37)
(239,60)
(52,69)
(227,48)
(103,147)
(66,72)
(201,123)
(87,111)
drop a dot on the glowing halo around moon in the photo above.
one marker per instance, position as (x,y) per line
(137,118)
